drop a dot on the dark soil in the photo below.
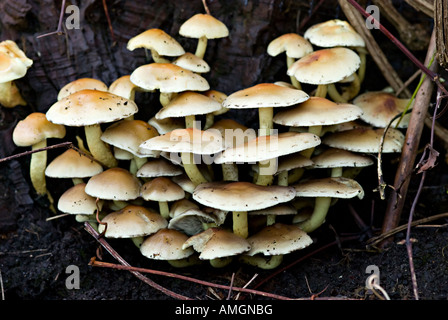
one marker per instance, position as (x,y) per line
(35,252)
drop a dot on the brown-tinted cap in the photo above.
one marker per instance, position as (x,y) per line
(114,184)
(278,239)
(88,107)
(241,196)
(334,158)
(334,33)
(325,66)
(317,111)
(123,87)
(36,128)
(76,201)
(166,125)
(294,45)
(217,243)
(192,62)
(129,134)
(81,84)
(161,189)
(72,164)
(379,108)
(166,244)
(158,167)
(132,221)
(191,221)
(157,40)
(13,61)
(334,187)
(366,140)
(264,95)
(168,77)
(203,25)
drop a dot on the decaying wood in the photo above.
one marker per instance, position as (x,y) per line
(425,6)
(441,27)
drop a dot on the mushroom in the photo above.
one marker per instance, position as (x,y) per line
(272,212)
(192,62)
(217,245)
(379,108)
(188,142)
(123,87)
(324,68)
(13,65)
(220,97)
(239,198)
(74,165)
(265,148)
(81,84)
(323,190)
(295,47)
(133,222)
(166,244)
(158,42)
(203,27)
(338,33)
(162,190)
(265,97)
(90,108)
(188,104)
(157,168)
(33,131)
(166,125)
(168,78)
(128,135)
(76,201)
(115,184)
(274,241)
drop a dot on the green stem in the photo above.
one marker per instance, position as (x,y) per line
(99,150)
(334,94)
(321,91)
(240,225)
(321,206)
(268,263)
(201,47)
(294,81)
(191,168)
(164,209)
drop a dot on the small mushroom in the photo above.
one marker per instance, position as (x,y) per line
(81,84)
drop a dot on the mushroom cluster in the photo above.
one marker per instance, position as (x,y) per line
(185,191)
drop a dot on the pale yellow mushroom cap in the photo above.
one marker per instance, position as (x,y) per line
(294,45)
(333,33)
(158,40)
(203,25)
(81,84)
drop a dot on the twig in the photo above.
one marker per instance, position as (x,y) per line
(59,29)
(115,254)
(204,3)
(59,145)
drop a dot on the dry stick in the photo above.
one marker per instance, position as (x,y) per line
(410,148)
(59,29)
(115,254)
(26,153)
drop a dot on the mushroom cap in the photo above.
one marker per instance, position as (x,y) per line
(192,62)
(217,243)
(293,161)
(166,244)
(366,140)
(269,147)
(157,40)
(334,33)
(114,184)
(132,221)
(218,96)
(168,77)
(123,87)
(72,164)
(335,158)
(184,182)
(81,84)
(158,167)
(241,195)
(161,189)
(129,134)
(180,206)
(278,239)
(188,103)
(334,187)
(294,45)
(36,128)
(76,201)
(380,107)
(186,140)
(203,25)
(317,111)
(233,132)
(13,61)
(277,210)
(264,95)
(121,154)
(89,107)
(325,66)
(166,125)
(191,221)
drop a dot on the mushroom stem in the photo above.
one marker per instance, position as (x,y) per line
(265,179)
(334,94)
(164,209)
(190,122)
(158,58)
(209,120)
(262,262)
(201,47)
(10,95)
(317,130)
(99,150)
(229,172)
(191,168)
(77,181)
(321,91)
(362,67)
(336,172)
(294,81)
(321,206)
(38,163)
(240,225)
(266,123)
(282,179)
(185,262)
(353,89)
